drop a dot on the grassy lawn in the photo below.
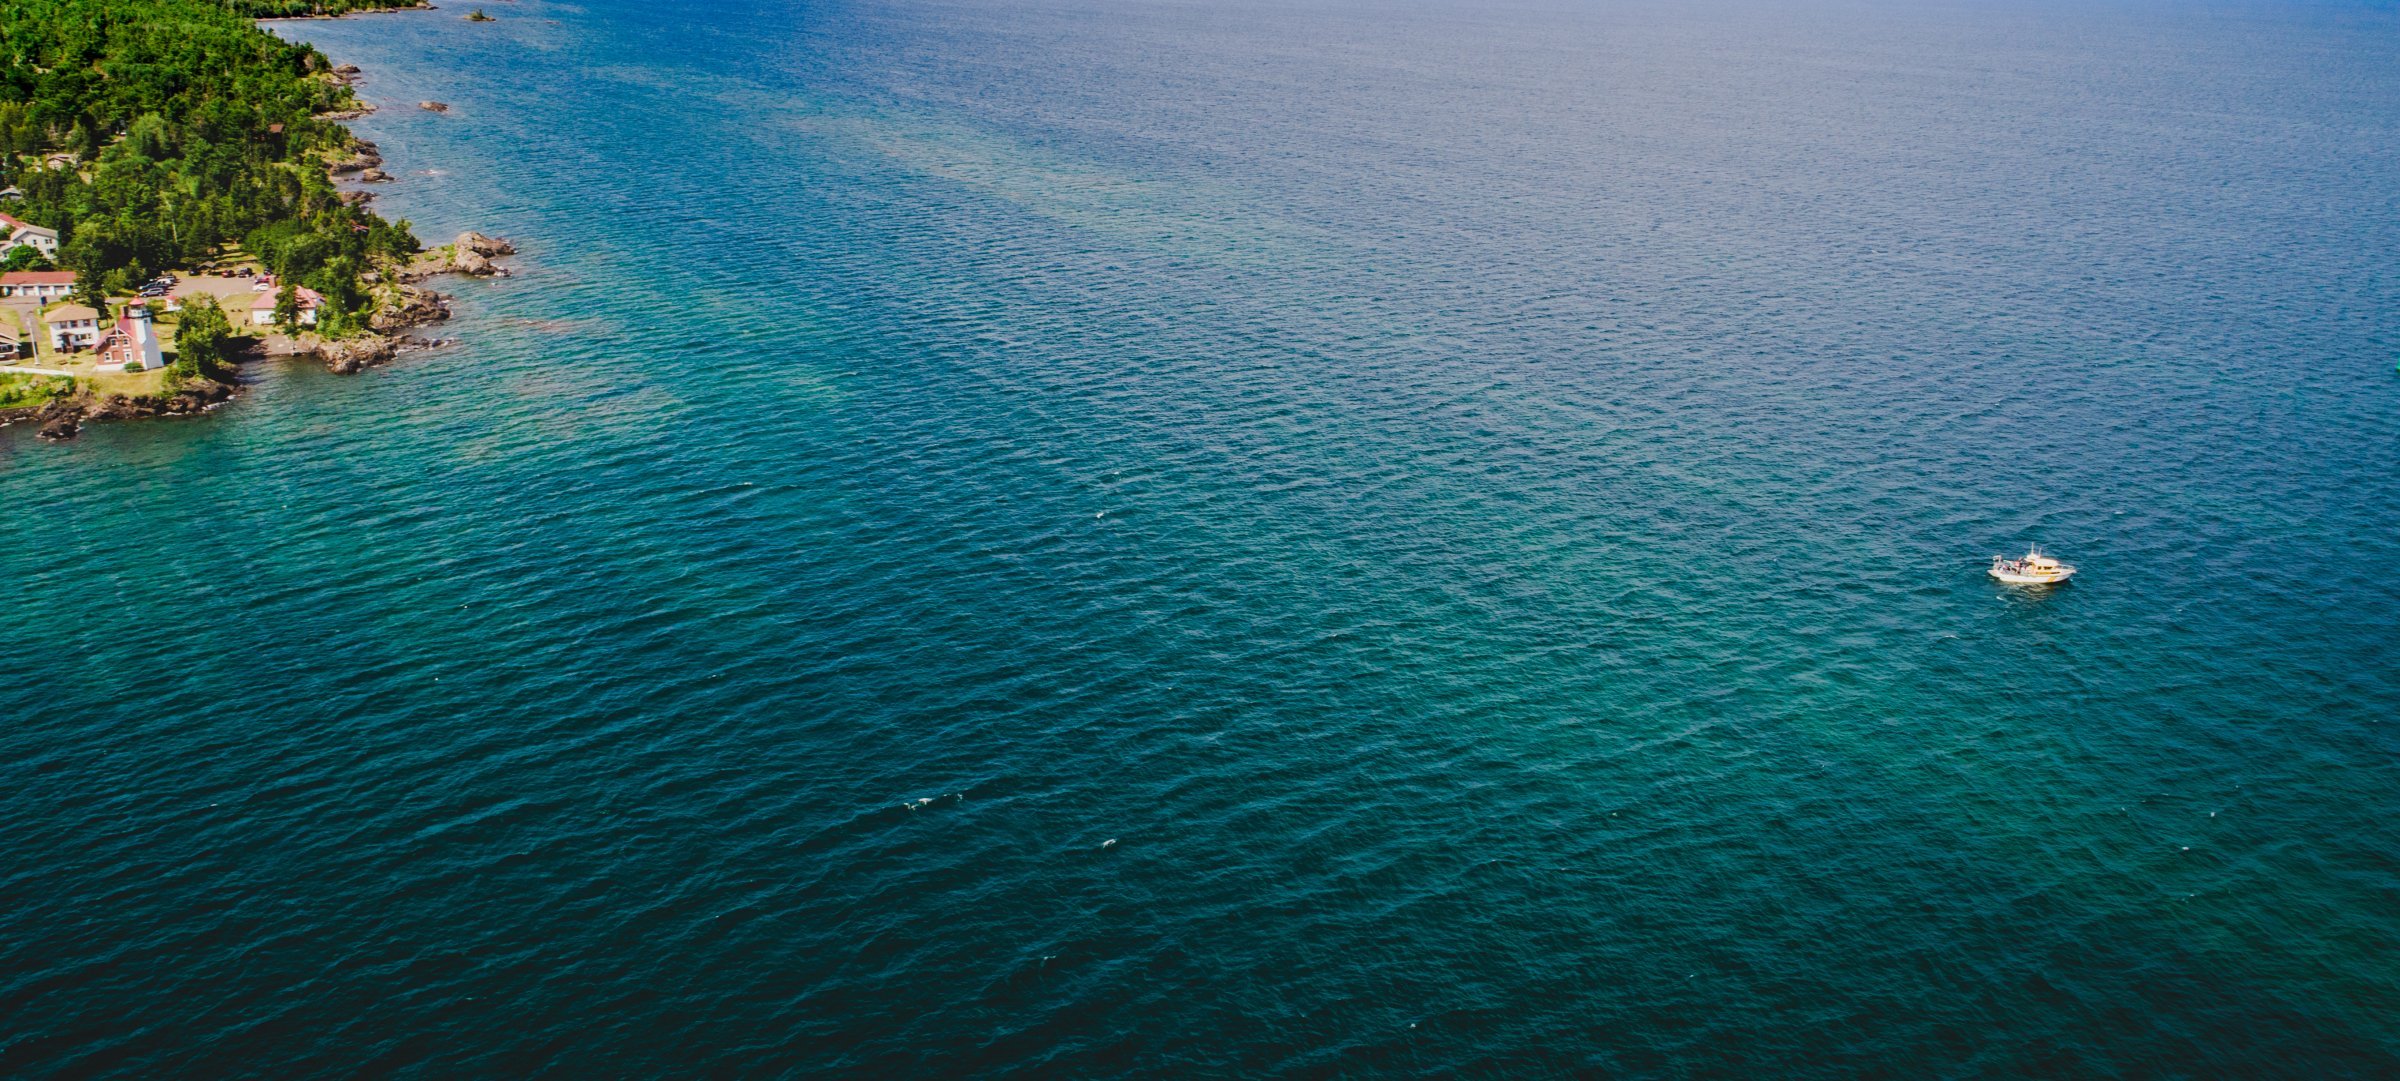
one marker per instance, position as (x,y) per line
(18,390)
(129,384)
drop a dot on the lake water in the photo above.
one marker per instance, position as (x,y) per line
(1325,539)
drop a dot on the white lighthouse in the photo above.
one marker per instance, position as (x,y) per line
(132,345)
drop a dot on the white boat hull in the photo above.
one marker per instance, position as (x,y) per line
(2062,575)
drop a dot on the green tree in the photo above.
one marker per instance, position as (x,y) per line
(24,257)
(87,257)
(287,307)
(149,139)
(204,342)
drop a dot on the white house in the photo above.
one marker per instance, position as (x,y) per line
(22,234)
(262,310)
(132,345)
(39,284)
(72,326)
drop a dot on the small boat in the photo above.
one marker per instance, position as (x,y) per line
(2035,569)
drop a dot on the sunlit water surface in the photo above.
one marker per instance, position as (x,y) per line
(1072,538)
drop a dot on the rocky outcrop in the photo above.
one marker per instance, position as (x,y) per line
(413,307)
(475,266)
(360,160)
(363,158)
(63,419)
(349,356)
(486,246)
(374,176)
(60,426)
(433,106)
(471,254)
(196,396)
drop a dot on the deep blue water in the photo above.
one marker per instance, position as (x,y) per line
(1483,506)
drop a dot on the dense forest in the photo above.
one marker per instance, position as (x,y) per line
(150,133)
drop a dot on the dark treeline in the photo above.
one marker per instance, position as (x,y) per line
(150,132)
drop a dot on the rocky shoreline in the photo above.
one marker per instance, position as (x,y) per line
(401,302)
(63,418)
(404,304)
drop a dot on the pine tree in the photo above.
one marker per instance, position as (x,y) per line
(287,307)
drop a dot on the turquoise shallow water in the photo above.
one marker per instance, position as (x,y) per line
(1482,506)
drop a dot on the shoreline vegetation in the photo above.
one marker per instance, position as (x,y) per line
(182,166)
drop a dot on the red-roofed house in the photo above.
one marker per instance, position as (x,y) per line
(132,345)
(262,310)
(22,234)
(40,284)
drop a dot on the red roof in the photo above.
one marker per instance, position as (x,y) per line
(118,340)
(37,277)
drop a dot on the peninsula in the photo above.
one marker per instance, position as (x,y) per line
(169,208)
